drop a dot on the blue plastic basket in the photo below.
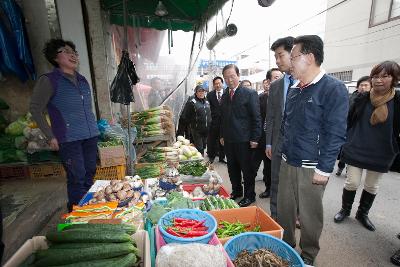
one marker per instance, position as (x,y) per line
(252,241)
(166,186)
(194,214)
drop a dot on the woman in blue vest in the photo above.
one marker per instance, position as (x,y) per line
(66,95)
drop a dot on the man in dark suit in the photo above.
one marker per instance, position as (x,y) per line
(276,105)
(214,98)
(259,153)
(240,131)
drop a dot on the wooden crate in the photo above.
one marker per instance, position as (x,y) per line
(110,173)
(112,156)
(49,170)
(16,171)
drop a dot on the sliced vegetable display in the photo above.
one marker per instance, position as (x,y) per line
(226,229)
(187,228)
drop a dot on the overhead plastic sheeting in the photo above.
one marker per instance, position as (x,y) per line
(17,56)
(185,15)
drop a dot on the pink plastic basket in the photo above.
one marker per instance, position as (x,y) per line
(213,241)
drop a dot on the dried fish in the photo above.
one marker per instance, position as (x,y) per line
(259,258)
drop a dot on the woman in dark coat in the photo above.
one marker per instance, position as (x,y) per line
(372,131)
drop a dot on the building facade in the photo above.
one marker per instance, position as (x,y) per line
(360,34)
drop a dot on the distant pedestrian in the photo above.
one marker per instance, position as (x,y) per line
(198,115)
(373,129)
(246,83)
(214,147)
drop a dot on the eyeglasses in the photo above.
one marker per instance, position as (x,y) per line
(292,58)
(384,77)
(68,51)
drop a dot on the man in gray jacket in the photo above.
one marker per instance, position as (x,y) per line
(275,108)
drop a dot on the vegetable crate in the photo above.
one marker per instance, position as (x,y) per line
(112,156)
(37,243)
(50,170)
(213,241)
(249,215)
(14,171)
(110,173)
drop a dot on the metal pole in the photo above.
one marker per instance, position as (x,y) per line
(128,107)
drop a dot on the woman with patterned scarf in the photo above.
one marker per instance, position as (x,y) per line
(373,125)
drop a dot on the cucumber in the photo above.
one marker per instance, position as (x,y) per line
(127,260)
(129,229)
(77,236)
(55,257)
(215,202)
(79,245)
(221,203)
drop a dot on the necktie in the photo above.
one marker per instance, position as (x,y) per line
(291,81)
(231,92)
(219,96)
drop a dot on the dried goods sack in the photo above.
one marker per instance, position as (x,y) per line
(194,255)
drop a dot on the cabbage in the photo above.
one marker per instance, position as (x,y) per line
(16,128)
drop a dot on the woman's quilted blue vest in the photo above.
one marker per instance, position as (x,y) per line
(70,108)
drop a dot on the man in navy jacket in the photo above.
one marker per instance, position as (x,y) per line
(314,129)
(240,132)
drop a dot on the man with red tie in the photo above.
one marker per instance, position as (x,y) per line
(214,147)
(240,132)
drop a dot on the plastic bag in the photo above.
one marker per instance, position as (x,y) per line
(193,255)
(121,86)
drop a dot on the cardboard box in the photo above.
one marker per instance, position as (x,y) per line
(252,215)
(39,243)
(112,156)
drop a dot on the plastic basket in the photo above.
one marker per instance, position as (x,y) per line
(14,171)
(252,241)
(194,214)
(110,173)
(49,170)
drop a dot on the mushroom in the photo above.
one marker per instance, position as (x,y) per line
(121,195)
(117,187)
(109,190)
(129,194)
(126,187)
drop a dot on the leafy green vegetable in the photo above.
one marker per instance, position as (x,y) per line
(155,213)
(195,168)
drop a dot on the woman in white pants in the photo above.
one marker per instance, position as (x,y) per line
(371,145)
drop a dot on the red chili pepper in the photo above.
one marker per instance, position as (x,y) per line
(196,233)
(187,229)
(183,220)
(200,223)
(172,232)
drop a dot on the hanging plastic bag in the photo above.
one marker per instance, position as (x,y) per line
(121,86)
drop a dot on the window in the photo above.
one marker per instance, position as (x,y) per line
(395,11)
(383,11)
(343,75)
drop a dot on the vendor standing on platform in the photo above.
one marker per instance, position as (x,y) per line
(198,115)
(240,133)
(66,95)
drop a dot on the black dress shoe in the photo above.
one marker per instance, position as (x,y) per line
(264,194)
(307,261)
(222,161)
(246,202)
(235,196)
(395,259)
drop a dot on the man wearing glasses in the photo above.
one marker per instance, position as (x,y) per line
(314,128)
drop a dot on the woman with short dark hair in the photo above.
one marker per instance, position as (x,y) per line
(372,131)
(66,96)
